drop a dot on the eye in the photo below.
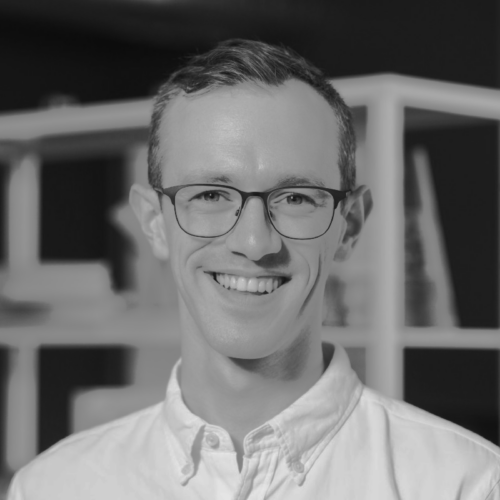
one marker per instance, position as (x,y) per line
(296,199)
(210,196)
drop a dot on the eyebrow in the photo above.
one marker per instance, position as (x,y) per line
(299,180)
(288,180)
(207,179)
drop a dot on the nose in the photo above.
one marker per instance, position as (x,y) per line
(253,235)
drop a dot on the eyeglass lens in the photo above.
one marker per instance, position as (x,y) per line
(210,211)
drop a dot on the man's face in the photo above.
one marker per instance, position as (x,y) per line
(253,138)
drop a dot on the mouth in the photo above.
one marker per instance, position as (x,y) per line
(256,286)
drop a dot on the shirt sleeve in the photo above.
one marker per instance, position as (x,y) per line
(14,491)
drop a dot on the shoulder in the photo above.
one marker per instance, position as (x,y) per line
(408,417)
(420,444)
(89,456)
(114,436)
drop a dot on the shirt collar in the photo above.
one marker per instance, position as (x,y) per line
(182,427)
(303,429)
(307,426)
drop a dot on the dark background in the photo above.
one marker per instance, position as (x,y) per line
(98,50)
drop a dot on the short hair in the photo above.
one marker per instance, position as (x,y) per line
(238,61)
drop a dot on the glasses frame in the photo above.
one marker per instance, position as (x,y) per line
(172,191)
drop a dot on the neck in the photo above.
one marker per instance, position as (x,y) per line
(239,395)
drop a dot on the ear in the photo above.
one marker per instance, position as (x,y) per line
(146,206)
(355,211)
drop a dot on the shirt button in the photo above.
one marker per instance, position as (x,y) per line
(212,440)
(186,469)
(298,467)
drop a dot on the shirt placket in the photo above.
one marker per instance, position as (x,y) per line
(218,461)
(259,466)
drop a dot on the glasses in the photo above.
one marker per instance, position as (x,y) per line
(212,210)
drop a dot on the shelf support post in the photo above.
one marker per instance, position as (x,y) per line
(23,212)
(22,406)
(385,135)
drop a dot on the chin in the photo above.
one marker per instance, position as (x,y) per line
(246,343)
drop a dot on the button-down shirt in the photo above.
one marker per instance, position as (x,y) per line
(340,440)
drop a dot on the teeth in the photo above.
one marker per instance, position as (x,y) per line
(241,285)
(233,282)
(253,285)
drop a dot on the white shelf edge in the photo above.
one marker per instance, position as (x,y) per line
(459,338)
(76,120)
(132,327)
(435,95)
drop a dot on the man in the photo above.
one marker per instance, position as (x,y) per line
(253,198)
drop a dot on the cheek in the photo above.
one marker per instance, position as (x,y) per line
(186,256)
(316,284)
(180,247)
(316,256)
(325,250)
(322,261)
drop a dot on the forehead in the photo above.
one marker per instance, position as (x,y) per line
(250,133)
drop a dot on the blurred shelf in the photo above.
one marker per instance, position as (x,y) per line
(134,327)
(458,338)
(423,338)
(426,96)
(67,121)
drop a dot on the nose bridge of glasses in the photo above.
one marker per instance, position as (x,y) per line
(254,194)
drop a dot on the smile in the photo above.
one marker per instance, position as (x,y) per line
(252,285)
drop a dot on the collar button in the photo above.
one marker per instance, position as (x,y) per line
(212,440)
(298,467)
